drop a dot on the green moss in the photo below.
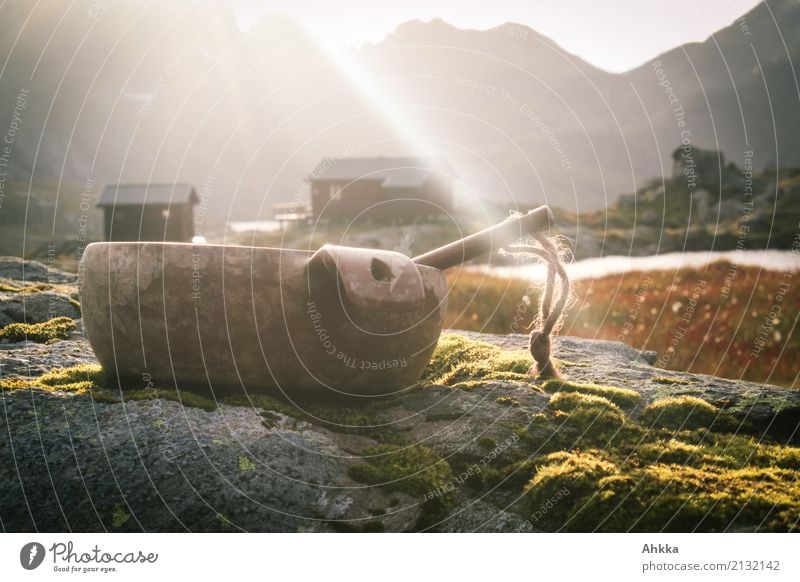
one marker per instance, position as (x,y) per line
(559,363)
(680,412)
(507,400)
(415,470)
(185,398)
(265,402)
(119,516)
(487,442)
(9,288)
(570,402)
(246,463)
(341,419)
(81,373)
(55,329)
(223,521)
(92,380)
(104,396)
(677,452)
(740,451)
(436,416)
(579,471)
(624,397)
(510,477)
(670,380)
(16,384)
(464,363)
(605,496)
(597,419)
(81,379)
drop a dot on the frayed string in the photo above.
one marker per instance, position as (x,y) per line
(550,311)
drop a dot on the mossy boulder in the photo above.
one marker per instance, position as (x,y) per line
(479,444)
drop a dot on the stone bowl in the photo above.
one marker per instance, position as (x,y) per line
(233,319)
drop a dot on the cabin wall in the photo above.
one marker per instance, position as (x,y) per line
(157,222)
(370,199)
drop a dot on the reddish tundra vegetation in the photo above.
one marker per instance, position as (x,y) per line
(734,322)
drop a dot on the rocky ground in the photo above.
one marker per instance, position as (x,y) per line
(616,445)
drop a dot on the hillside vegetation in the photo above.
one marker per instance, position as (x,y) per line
(702,320)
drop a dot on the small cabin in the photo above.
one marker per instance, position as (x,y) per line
(149,212)
(383,189)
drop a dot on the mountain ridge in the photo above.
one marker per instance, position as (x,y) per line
(256,110)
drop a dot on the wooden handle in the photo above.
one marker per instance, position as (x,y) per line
(487,240)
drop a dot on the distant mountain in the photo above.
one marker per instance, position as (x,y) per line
(176,92)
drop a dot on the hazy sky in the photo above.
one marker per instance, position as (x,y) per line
(613,34)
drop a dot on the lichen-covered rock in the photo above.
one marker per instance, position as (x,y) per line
(33,272)
(33,359)
(37,307)
(478,446)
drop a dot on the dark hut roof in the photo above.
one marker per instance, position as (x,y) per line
(140,194)
(391,172)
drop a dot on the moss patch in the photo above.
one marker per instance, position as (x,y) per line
(9,288)
(670,380)
(223,521)
(596,417)
(487,442)
(604,495)
(676,452)
(246,463)
(55,329)
(464,363)
(82,379)
(569,363)
(680,412)
(342,419)
(92,380)
(119,516)
(185,398)
(624,397)
(507,400)
(437,416)
(415,470)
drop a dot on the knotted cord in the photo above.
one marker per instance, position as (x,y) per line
(550,312)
